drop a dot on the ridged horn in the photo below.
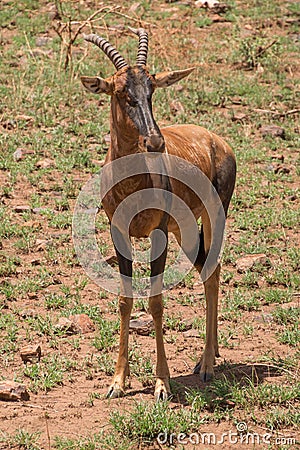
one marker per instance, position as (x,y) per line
(141,59)
(110,51)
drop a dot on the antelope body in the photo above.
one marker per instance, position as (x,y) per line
(133,130)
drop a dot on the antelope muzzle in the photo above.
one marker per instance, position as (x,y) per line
(154,143)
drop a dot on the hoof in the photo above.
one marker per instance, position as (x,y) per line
(162,390)
(162,396)
(115,391)
(206,376)
(206,371)
(197,368)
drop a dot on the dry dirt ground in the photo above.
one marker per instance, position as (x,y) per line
(77,406)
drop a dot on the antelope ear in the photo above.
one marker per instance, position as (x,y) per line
(97,85)
(165,79)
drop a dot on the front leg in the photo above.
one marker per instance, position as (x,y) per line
(158,260)
(123,251)
(117,387)
(162,386)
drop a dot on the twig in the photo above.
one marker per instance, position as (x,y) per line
(290,112)
(64,29)
(264,49)
(264,111)
(276,113)
(28,45)
(67,28)
(47,431)
(134,19)
(86,22)
(186,364)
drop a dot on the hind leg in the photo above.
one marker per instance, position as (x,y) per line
(211,350)
(211,287)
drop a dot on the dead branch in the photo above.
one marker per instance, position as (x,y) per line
(67,36)
(277,113)
(134,19)
(262,50)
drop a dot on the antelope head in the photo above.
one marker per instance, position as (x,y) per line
(131,89)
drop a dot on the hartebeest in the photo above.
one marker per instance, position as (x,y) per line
(133,130)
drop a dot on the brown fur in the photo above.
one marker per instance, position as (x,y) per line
(194,144)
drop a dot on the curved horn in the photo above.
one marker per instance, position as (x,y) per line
(110,51)
(141,59)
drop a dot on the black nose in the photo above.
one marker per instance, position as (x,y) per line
(154,143)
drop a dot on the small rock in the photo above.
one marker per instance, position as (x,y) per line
(31,353)
(38,53)
(45,163)
(273,130)
(21,208)
(107,139)
(206,3)
(191,333)
(280,168)
(53,13)
(41,244)
(216,18)
(41,41)
(12,391)
(238,116)
(143,325)
(186,324)
(98,162)
(259,68)
(18,154)
(35,262)
(195,43)
(83,322)
(264,318)
(112,260)
(33,224)
(277,168)
(27,312)
(230,404)
(66,325)
(278,157)
(178,88)
(9,124)
(269,168)
(39,210)
(249,261)
(213,5)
